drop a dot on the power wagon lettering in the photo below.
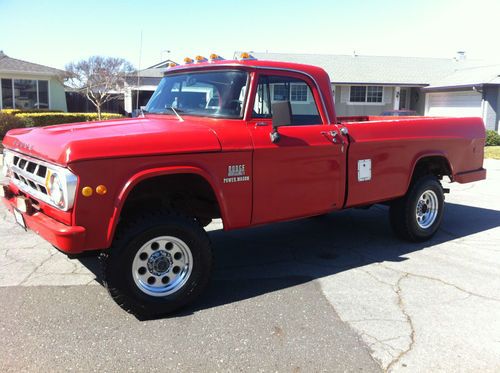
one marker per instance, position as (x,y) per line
(236,173)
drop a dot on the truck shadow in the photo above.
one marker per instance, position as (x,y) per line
(256,261)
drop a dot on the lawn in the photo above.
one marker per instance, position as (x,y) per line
(492,152)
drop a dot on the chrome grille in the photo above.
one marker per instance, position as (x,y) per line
(29,175)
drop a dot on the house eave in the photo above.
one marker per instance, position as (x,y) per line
(457,86)
(31,73)
(453,86)
(420,85)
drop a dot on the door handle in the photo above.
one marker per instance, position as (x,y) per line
(331,135)
(261,124)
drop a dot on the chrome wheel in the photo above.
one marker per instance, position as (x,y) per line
(427,209)
(162,266)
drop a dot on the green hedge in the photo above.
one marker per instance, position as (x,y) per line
(19,111)
(492,138)
(10,119)
(8,122)
(47,119)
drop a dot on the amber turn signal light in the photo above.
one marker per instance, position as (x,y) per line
(87,191)
(101,189)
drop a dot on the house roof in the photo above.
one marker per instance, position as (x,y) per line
(156,72)
(143,81)
(13,65)
(356,69)
(161,64)
(469,76)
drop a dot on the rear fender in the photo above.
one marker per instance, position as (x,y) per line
(422,155)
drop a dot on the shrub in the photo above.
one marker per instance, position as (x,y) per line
(8,122)
(19,111)
(47,119)
(10,111)
(492,138)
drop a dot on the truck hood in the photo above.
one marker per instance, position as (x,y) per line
(63,144)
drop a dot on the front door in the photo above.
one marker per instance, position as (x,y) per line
(304,172)
(404,99)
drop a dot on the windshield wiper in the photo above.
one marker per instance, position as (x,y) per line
(176,114)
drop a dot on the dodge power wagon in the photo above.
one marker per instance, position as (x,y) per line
(250,142)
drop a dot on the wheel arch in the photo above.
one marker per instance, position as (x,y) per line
(151,174)
(430,163)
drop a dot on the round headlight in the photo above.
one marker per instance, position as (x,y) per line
(56,190)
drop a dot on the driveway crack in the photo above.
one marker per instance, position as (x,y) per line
(409,320)
(471,293)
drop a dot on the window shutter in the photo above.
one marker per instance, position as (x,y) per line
(388,92)
(344,94)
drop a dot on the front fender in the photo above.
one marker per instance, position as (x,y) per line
(99,213)
(155,172)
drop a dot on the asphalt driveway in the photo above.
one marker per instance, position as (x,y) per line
(337,293)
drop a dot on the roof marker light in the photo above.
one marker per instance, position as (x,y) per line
(172,64)
(200,59)
(215,57)
(188,60)
(246,56)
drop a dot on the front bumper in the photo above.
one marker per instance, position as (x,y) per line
(70,239)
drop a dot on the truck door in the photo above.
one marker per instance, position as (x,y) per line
(304,172)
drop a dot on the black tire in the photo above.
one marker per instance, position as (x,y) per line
(403,212)
(131,236)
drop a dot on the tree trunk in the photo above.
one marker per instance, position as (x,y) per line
(98,112)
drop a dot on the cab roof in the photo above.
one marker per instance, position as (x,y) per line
(250,63)
(317,74)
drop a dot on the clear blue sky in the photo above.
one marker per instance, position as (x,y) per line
(57,32)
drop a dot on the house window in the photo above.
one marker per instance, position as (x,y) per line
(43,94)
(25,94)
(374,93)
(358,94)
(7,99)
(281,92)
(298,92)
(289,96)
(369,94)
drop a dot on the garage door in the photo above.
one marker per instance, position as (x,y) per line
(454,104)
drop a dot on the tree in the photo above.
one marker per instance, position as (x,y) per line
(97,78)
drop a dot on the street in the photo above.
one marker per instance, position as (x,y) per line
(332,293)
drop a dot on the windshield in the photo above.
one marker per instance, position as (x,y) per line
(210,94)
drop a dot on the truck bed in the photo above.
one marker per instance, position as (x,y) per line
(394,145)
(369,118)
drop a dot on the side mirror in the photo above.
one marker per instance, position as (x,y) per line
(275,135)
(282,116)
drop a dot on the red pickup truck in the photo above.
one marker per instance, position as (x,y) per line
(250,142)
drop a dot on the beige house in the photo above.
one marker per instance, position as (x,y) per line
(26,85)
(371,85)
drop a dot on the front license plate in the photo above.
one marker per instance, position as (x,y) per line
(19,218)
